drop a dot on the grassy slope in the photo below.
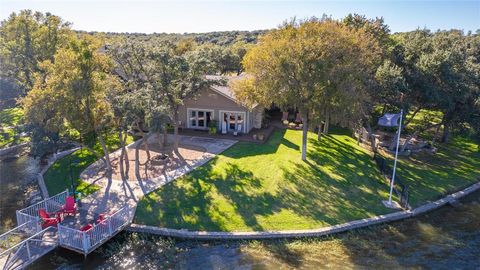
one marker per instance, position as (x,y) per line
(456,165)
(267,187)
(57,177)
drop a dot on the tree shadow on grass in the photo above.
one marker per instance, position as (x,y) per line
(240,188)
(337,184)
(246,149)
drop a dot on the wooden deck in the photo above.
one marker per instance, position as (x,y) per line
(27,242)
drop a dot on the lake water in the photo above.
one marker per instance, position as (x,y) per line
(17,176)
(448,238)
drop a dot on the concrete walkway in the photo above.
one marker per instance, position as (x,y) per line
(115,193)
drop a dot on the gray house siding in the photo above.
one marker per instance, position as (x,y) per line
(212,101)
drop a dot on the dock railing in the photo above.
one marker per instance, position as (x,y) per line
(51,204)
(29,249)
(86,241)
(18,234)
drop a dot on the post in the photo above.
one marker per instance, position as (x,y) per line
(85,244)
(28,250)
(109,225)
(396,157)
(18,217)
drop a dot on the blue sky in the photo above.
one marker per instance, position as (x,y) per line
(203,16)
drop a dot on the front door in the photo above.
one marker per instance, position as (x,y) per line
(234,121)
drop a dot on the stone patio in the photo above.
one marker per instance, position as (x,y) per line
(114,193)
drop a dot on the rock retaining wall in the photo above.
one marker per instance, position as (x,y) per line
(8,150)
(51,160)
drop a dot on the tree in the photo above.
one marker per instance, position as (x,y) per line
(26,40)
(72,97)
(317,67)
(177,78)
(435,71)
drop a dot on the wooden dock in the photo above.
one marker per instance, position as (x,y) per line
(27,242)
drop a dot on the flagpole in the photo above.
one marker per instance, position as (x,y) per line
(396,156)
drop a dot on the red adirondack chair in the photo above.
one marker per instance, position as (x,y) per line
(86,227)
(101,218)
(70,207)
(47,219)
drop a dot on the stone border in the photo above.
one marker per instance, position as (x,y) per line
(51,160)
(7,150)
(361,223)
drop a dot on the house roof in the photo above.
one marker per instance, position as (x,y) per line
(224,90)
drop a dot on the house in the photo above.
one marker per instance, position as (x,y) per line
(219,103)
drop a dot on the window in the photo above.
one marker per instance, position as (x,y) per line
(199,118)
(193,118)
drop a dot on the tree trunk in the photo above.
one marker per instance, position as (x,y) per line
(384,108)
(326,126)
(359,132)
(106,153)
(319,132)
(304,135)
(145,141)
(446,133)
(127,160)
(175,132)
(436,134)
(122,155)
(165,137)
(411,118)
(372,138)
(137,159)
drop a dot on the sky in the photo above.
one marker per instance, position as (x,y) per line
(207,16)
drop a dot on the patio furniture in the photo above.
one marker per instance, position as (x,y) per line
(100,219)
(47,219)
(87,227)
(70,207)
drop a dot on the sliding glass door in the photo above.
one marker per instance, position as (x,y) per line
(234,121)
(199,119)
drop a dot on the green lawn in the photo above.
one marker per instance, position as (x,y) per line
(252,187)
(10,118)
(455,166)
(57,178)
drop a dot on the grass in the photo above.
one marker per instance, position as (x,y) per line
(10,118)
(252,187)
(57,178)
(455,166)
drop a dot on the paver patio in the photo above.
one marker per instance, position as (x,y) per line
(114,193)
